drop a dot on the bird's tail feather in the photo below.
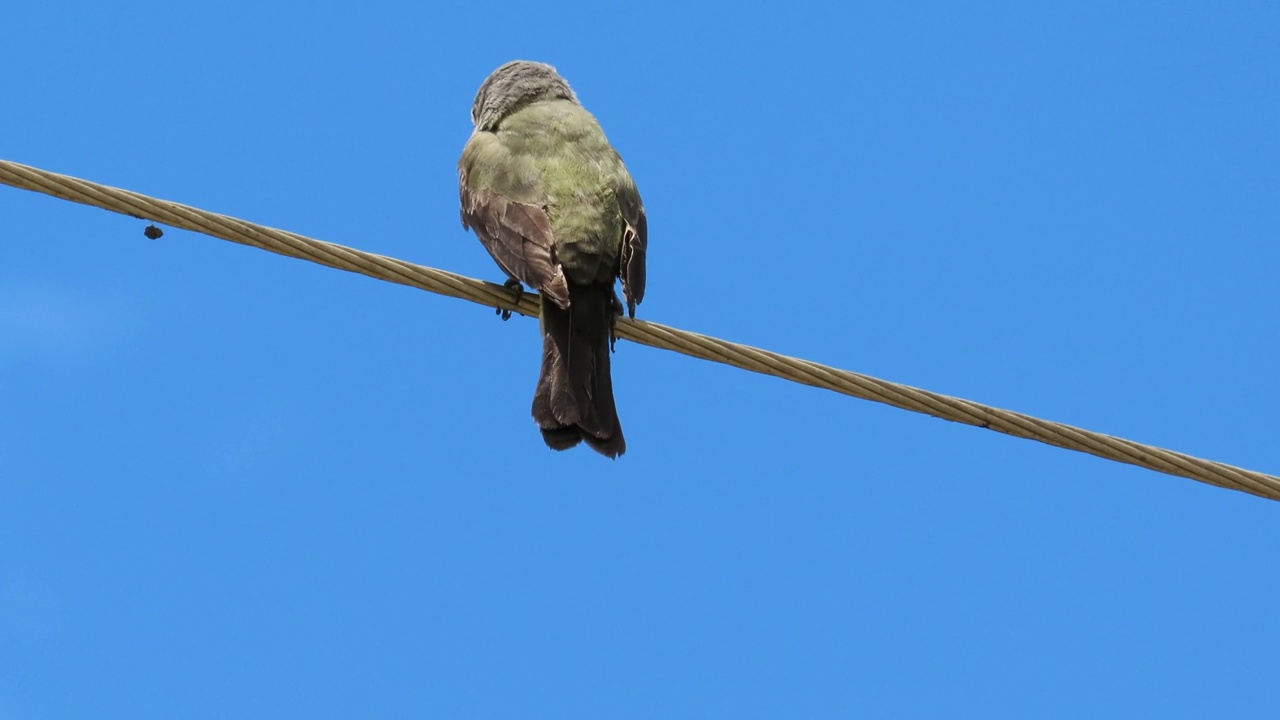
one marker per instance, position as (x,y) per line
(574,398)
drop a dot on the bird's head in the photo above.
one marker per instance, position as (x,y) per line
(513,86)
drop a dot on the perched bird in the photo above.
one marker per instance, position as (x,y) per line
(558,211)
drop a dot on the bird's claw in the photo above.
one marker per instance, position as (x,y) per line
(514,285)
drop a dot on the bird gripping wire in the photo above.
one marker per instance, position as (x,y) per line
(645,333)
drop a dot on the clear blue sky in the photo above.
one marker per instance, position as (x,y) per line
(234,485)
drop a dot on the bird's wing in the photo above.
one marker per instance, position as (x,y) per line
(517,234)
(635,238)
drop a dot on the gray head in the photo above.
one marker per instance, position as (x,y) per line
(514,85)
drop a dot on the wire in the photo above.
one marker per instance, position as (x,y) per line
(645,333)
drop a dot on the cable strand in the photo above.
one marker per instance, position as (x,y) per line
(642,332)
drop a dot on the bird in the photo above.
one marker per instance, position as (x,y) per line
(556,208)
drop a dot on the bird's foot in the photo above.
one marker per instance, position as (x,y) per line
(514,285)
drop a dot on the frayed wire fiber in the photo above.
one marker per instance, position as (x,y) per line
(645,333)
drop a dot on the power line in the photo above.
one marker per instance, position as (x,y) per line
(645,333)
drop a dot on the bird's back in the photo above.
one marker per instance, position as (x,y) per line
(577,173)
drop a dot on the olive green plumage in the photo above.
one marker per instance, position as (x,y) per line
(554,205)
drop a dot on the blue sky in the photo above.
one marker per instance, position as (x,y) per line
(238,485)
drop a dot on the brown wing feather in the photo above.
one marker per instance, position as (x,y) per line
(635,239)
(519,238)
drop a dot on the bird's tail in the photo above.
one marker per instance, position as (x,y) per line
(574,398)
